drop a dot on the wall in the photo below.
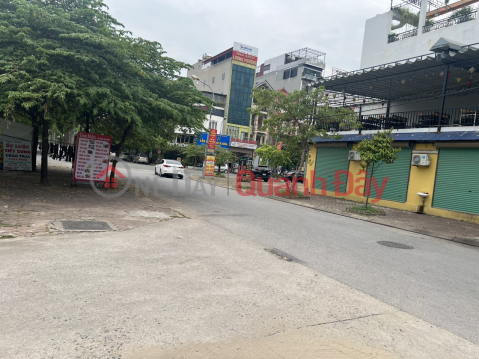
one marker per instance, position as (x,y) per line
(220,86)
(377,50)
(422,179)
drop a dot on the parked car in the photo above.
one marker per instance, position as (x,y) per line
(125,156)
(141,158)
(199,164)
(223,169)
(290,174)
(170,168)
(262,172)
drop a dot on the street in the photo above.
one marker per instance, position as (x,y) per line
(437,281)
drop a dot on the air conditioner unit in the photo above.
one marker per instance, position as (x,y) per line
(354,156)
(421,160)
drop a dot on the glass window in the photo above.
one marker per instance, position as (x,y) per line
(242,83)
(294,72)
(213,80)
(223,76)
(267,67)
(286,74)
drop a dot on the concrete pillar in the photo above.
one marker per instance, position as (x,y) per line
(422,16)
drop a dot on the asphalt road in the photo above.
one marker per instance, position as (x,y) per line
(437,281)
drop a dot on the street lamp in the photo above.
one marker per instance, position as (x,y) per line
(197,79)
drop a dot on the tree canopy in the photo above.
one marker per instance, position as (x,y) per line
(71,64)
(296,119)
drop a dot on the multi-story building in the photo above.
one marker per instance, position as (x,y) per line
(424,83)
(293,70)
(230,76)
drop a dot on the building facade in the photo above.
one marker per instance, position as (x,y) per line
(293,70)
(384,42)
(430,101)
(231,75)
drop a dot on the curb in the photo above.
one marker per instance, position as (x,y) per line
(473,242)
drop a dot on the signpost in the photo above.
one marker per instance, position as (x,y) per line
(17,155)
(210,166)
(210,160)
(92,157)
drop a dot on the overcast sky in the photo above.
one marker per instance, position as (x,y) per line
(189,28)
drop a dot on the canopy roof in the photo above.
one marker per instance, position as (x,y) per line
(411,79)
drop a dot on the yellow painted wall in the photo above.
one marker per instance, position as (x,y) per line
(422,179)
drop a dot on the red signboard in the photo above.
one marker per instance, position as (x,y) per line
(245,58)
(92,157)
(212,139)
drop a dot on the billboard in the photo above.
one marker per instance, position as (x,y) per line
(221,140)
(245,54)
(92,157)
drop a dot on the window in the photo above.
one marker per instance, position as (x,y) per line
(267,67)
(233,131)
(242,82)
(286,74)
(260,123)
(294,72)
(223,76)
(244,135)
(213,80)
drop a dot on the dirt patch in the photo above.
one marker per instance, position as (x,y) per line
(288,345)
(28,208)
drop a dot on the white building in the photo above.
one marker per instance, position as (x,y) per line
(384,45)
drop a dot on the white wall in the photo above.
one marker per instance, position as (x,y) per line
(377,50)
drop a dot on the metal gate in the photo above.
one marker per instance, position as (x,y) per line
(457,180)
(328,161)
(397,175)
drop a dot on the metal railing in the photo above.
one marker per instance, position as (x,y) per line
(460,116)
(452,117)
(402,35)
(450,22)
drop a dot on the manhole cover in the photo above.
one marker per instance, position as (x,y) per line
(394,245)
(86,226)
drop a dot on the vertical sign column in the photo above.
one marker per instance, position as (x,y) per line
(210,160)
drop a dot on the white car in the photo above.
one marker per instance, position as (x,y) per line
(140,159)
(223,169)
(170,168)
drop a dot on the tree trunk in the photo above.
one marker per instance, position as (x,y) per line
(298,168)
(120,148)
(369,186)
(87,124)
(36,133)
(44,169)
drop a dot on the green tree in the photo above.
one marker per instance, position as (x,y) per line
(194,151)
(465,11)
(274,157)
(297,118)
(374,153)
(223,157)
(73,64)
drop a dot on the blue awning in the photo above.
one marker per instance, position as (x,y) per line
(415,136)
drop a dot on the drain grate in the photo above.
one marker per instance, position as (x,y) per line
(394,245)
(86,226)
(282,255)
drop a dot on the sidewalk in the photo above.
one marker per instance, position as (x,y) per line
(444,228)
(27,208)
(172,290)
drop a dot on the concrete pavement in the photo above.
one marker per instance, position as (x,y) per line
(186,289)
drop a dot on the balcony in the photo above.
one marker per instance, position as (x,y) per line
(402,36)
(452,117)
(450,22)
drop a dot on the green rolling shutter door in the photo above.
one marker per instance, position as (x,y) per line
(398,177)
(457,180)
(328,161)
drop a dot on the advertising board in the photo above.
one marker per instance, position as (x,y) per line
(92,157)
